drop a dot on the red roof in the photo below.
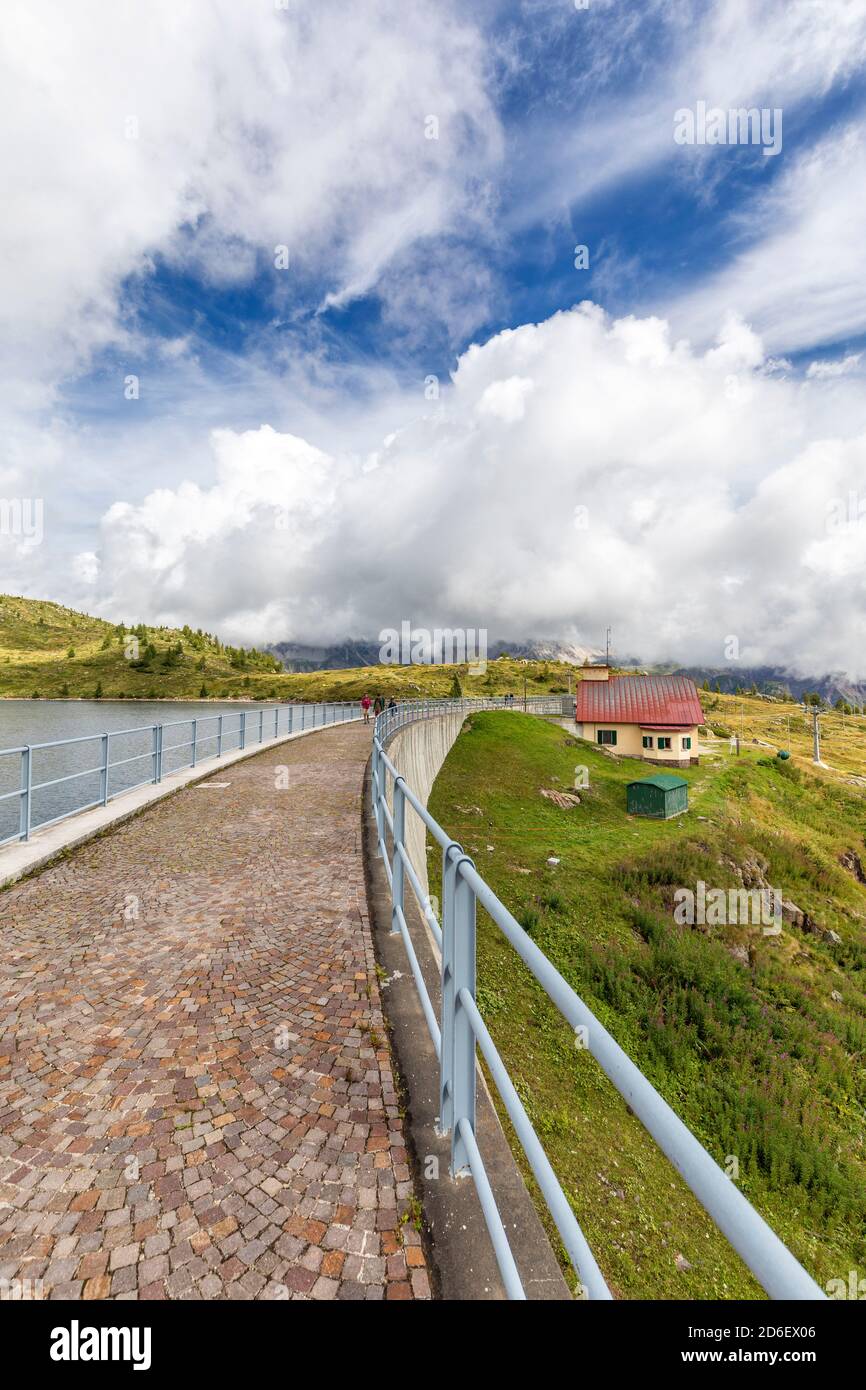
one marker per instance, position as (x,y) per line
(652,701)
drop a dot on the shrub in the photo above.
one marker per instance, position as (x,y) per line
(553,902)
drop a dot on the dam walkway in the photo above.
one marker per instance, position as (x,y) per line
(196,1093)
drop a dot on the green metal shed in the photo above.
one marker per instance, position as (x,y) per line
(661,796)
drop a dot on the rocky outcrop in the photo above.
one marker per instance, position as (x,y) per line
(796,917)
(850,860)
(793,914)
(752,873)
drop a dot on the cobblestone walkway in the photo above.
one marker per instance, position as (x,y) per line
(196,1097)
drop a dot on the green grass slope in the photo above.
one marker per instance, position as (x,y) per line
(763,1058)
(54,652)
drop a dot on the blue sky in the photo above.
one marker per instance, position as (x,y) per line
(652,234)
(142,241)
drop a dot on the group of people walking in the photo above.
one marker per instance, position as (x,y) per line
(377,706)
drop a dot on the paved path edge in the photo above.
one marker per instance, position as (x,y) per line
(463,1263)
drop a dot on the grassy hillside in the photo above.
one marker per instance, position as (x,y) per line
(54,652)
(775,724)
(757,1042)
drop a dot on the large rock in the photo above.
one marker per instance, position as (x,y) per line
(850,860)
(793,914)
(752,873)
(563,799)
(755,871)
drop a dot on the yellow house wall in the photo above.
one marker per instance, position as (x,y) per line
(628,742)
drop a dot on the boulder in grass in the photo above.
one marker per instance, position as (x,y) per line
(793,914)
(565,800)
(851,861)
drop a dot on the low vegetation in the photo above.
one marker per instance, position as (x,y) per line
(55,653)
(757,1042)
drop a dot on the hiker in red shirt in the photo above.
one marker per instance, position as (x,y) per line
(365,706)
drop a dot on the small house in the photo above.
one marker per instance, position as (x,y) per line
(655,718)
(660,796)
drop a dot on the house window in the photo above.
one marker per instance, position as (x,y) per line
(647,740)
(687,742)
(607,735)
(664,743)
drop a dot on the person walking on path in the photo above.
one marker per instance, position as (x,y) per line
(365,706)
(378,705)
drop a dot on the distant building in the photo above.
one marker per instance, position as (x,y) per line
(651,717)
(595,673)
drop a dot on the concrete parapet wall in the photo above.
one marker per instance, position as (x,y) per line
(419,750)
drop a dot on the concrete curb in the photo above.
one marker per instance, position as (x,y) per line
(24,856)
(462,1259)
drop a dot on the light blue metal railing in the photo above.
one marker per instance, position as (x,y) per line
(256,725)
(460,1030)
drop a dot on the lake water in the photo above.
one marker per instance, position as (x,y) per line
(34,722)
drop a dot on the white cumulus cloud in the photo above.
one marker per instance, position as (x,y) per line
(709,513)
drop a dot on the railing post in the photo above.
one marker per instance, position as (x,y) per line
(396,861)
(155,752)
(243,735)
(219,736)
(303,714)
(379,783)
(159,753)
(463,1033)
(276,721)
(103,789)
(291,712)
(26,792)
(194,741)
(261,726)
(450,857)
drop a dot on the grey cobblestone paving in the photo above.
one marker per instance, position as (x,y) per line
(196,1094)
